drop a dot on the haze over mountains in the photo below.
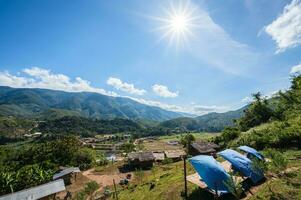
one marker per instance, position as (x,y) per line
(52,104)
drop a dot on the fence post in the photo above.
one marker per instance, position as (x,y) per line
(116,195)
(185,181)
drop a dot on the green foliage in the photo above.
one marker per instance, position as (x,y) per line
(277,120)
(91,187)
(278,161)
(234,186)
(87,127)
(228,134)
(167,161)
(257,113)
(127,147)
(35,163)
(186,140)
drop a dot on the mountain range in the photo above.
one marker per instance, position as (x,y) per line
(42,103)
(213,122)
(52,104)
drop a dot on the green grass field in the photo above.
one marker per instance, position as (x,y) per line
(169,183)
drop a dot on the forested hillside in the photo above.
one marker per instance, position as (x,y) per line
(42,103)
(212,122)
(264,125)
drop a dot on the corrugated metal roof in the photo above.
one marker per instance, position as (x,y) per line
(141,156)
(159,156)
(65,172)
(37,192)
(175,153)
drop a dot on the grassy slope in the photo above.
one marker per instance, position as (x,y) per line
(169,184)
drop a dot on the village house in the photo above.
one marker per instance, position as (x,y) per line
(203,148)
(43,192)
(69,175)
(159,156)
(175,155)
(143,160)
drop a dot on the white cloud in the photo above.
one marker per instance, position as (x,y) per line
(123,86)
(42,78)
(286,29)
(247,100)
(163,91)
(296,69)
(192,109)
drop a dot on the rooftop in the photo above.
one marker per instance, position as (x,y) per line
(37,192)
(65,172)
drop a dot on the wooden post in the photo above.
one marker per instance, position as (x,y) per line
(185,181)
(116,195)
(216,193)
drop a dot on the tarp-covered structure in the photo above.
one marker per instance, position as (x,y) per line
(211,172)
(242,164)
(252,152)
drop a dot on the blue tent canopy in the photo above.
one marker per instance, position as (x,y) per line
(241,164)
(251,151)
(211,172)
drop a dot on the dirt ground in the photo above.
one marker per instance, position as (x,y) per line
(105,179)
(159,146)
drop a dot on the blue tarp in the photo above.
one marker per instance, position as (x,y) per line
(251,151)
(241,164)
(211,172)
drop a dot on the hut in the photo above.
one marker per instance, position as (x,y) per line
(143,160)
(159,156)
(203,148)
(175,155)
(69,175)
(45,191)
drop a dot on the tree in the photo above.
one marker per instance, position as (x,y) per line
(186,141)
(128,147)
(90,188)
(257,113)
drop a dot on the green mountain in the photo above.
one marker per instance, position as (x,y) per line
(211,122)
(45,104)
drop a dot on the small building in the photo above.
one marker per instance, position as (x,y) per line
(159,156)
(45,191)
(68,175)
(175,155)
(142,160)
(203,148)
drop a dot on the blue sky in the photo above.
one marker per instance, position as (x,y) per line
(116,48)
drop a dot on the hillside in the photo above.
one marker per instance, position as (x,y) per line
(212,122)
(43,103)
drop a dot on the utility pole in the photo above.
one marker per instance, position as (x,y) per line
(185,181)
(116,195)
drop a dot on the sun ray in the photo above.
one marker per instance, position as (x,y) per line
(178,23)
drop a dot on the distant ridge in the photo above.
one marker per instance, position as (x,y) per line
(211,122)
(45,103)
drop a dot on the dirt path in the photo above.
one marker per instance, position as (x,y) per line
(105,179)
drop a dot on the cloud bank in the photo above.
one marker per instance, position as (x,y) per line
(36,77)
(163,91)
(296,69)
(125,87)
(286,29)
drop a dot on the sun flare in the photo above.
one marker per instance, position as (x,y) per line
(178,23)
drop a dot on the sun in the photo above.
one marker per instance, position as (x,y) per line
(178,23)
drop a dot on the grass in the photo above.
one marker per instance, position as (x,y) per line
(286,187)
(198,136)
(168,184)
